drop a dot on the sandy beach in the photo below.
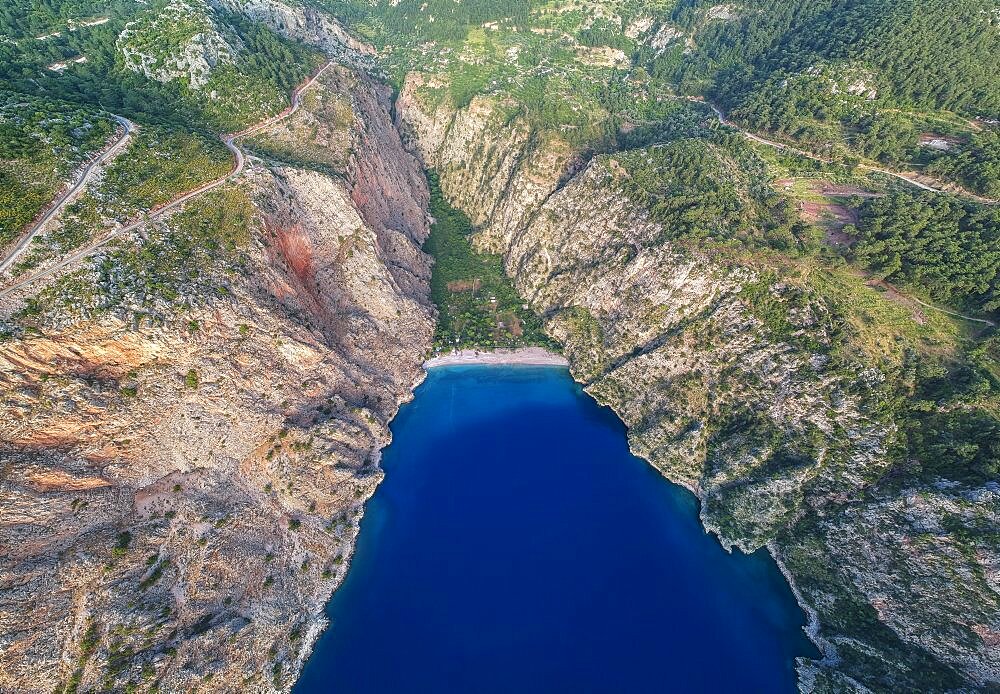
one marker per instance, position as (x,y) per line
(528,356)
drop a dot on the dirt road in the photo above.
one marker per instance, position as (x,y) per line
(239,162)
(67,197)
(815,157)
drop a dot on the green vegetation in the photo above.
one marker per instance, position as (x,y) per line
(88,645)
(864,77)
(941,384)
(189,255)
(155,574)
(41,142)
(685,186)
(415,22)
(53,111)
(942,246)
(163,163)
(318,137)
(544,60)
(927,55)
(159,165)
(976,165)
(948,407)
(477,305)
(712,188)
(904,83)
(121,545)
(875,328)
(242,88)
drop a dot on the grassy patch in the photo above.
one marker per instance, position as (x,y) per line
(158,166)
(879,326)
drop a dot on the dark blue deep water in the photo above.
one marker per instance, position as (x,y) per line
(517,546)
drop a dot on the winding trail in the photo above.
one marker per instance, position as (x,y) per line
(61,201)
(919,184)
(914,299)
(239,163)
(951,313)
(815,157)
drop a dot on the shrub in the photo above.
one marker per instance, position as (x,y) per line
(121,546)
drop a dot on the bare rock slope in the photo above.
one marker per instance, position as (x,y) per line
(727,371)
(182,475)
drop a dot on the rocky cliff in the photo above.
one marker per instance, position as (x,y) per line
(302,23)
(185,458)
(731,372)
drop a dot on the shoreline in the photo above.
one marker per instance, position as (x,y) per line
(538,356)
(522,356)
(812,628)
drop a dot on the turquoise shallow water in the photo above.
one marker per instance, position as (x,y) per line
(517,546)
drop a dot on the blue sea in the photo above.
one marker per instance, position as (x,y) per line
(517,546)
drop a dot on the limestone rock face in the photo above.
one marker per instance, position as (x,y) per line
(493,167)
(659,331)
(180,500)
(195,46)
(785,445)
(299,22)
(901,555)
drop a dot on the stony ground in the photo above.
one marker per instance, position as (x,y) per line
(726,370)
(182,498)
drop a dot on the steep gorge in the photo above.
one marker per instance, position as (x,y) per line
(730,372)
(185,472)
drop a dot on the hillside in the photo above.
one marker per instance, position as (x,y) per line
(724,296)
(905,84)
(178,61)
(809,412)
(42,142)
(195,408)
(210,393)
(759,232)
(876,79)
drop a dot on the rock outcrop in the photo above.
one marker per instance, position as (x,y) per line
(724,367)
(302,23)
(196,46)
(496,169)
(181,499)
